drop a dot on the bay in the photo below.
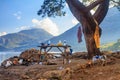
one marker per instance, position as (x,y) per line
(6,55)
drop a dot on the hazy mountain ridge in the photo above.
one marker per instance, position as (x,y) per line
(26,39)
(111,26)
(71,38)
(23,39)
(114,47)
(110,32)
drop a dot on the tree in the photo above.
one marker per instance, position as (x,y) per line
(90,23)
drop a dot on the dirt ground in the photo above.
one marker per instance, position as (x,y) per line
(75,70)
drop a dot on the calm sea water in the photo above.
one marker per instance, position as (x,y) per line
(6,55)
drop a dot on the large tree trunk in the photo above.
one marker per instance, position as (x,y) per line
(89,22)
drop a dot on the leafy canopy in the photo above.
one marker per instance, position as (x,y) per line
(52,8)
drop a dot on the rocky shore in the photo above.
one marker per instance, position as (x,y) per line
(77,69)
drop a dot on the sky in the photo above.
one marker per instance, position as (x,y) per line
(17,15)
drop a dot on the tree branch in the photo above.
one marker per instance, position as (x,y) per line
(101,11)
(75,9)
(94,4)
(81,13)
(78,5)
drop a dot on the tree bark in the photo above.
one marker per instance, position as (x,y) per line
(83,15)
(101,12)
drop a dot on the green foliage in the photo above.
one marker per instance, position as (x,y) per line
(118,40)
(52,8)
(112,46)
(23,39)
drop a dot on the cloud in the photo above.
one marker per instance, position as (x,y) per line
(18,15)
(46,24)
(3,33)
(74,21)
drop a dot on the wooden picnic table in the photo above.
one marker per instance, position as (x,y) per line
(47,48)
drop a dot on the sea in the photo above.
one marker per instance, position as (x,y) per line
(6,55)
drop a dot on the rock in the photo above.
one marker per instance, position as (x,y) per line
(100,73)
(82,55)
(30,56)
(9,62)
(63,74)
(26,54)
(41,79)
(25,77)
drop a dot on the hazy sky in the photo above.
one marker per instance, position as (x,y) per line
(16,15)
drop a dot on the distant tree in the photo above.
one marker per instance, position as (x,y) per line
(90,22)
(118,40)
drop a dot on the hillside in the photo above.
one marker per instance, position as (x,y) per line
(24,39)
(111,26)
(71,38)
(114,46)
(31,38)
(110,32)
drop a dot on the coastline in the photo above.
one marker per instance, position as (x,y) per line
(75,70)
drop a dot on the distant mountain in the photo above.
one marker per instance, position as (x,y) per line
(114,47)
(3,48)
(71,38)
(24,39)
(110,32)
(111,26)
(31,38)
